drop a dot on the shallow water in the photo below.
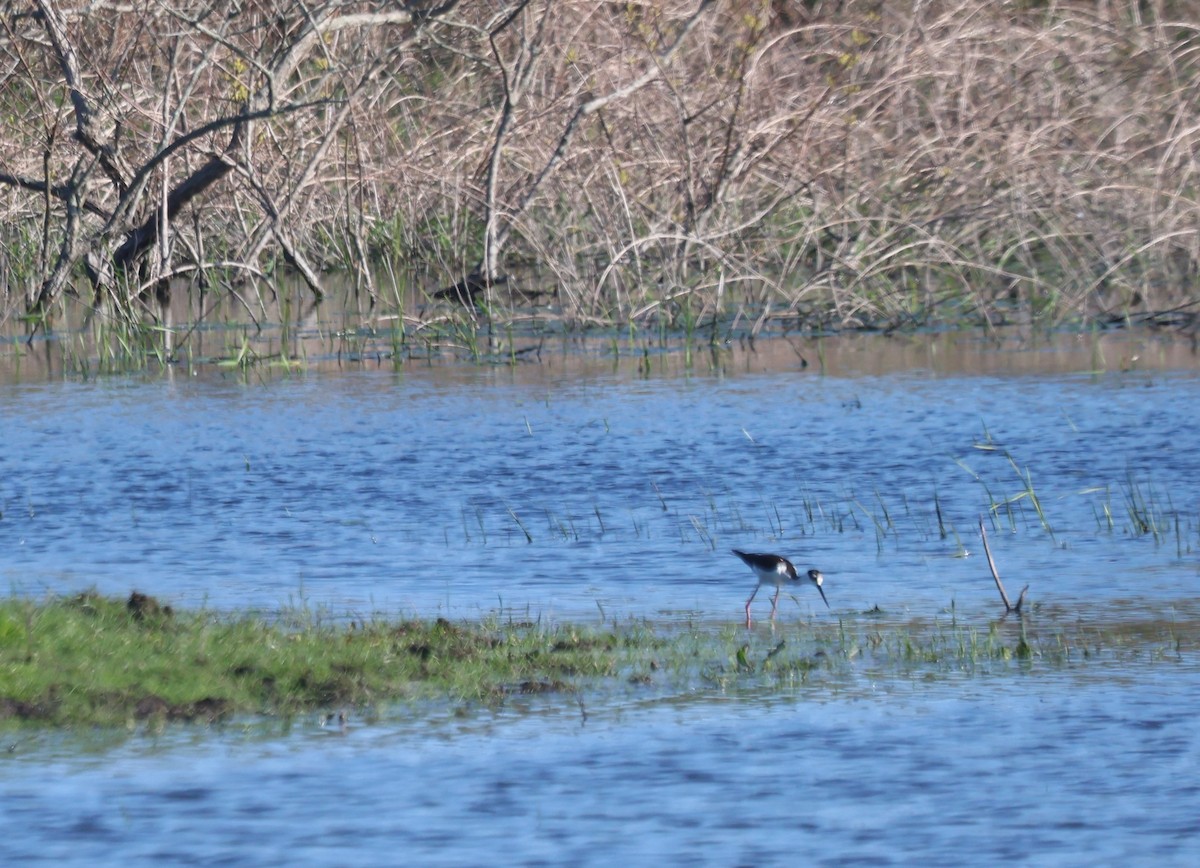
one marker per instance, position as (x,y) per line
(461,492)
(578,489)
(1060,769)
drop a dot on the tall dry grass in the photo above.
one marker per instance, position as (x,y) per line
(854,163)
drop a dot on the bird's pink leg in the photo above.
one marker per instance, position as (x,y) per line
(748,602)
(775,603)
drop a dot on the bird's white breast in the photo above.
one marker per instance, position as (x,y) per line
(777,576)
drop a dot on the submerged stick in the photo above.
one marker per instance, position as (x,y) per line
(1008,607)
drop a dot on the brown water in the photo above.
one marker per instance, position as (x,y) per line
(207,336)
(586,486)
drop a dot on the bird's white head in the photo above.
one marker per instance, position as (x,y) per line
(817,579)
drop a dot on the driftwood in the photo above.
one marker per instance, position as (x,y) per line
(1008,607)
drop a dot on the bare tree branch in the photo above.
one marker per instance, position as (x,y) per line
(496,234)
(85,115)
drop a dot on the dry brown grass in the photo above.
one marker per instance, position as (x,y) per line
(854,163)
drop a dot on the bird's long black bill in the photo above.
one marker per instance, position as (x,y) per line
(822,590)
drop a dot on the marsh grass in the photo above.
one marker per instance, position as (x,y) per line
(93,660)
(847,166)
(937,521)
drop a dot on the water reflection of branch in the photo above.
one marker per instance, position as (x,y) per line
(1008,607)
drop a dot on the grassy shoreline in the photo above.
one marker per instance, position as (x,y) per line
(89,660)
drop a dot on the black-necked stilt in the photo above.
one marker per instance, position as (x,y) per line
(777,571)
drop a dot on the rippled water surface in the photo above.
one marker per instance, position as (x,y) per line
(588,491)
(455,492)
(1054,770)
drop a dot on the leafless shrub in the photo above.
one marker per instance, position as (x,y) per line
(850,163)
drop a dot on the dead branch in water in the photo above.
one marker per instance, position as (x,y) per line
(1008,607)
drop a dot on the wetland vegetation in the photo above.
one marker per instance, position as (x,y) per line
(88,660)
(485,180)
(691,165)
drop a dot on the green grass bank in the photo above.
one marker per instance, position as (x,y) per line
(88,660)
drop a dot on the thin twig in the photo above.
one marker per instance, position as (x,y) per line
(1008,607)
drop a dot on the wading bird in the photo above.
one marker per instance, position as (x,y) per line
(777,571)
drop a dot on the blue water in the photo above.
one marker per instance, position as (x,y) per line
(1063,769)
(369,491)
(460,492)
